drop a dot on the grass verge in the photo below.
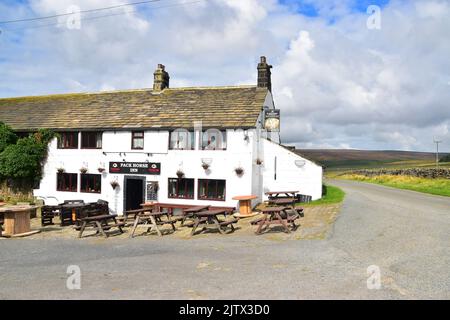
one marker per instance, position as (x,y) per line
(333,195)
(439,187)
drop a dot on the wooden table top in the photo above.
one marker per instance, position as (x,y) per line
(196,209)
(16,208)
(283,200)
(147,204)
(136,211)
(209,213)
(279,192)
(102,217)
(272,209)
(250,197)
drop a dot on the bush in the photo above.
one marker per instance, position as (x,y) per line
(7,136)
(23,161)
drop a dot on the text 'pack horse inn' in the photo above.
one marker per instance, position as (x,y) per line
(199,145)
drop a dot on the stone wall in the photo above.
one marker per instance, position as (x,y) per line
(414,172)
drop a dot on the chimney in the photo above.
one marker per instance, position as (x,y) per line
(161,79)
(264,74)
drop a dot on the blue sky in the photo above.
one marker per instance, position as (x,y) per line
(338,83)
(311,9)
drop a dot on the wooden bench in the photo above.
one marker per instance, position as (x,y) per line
(209,218)
(151,221)
(277,215)
(229,222)
(101,224)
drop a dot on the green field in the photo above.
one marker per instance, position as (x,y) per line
(344,160)
(333,195)
(439,187)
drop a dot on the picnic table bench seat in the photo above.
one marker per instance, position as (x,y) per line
(101,224)
(209,218)
(151,220)
(228,222)
(278,215)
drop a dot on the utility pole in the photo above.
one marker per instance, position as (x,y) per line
(437,151)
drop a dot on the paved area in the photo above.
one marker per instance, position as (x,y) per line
(405,234)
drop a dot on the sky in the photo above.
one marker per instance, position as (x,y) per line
(343,76)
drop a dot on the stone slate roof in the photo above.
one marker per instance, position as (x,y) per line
(216,107)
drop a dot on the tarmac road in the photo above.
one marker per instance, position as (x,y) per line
(405,234)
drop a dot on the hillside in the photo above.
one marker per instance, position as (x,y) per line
(346,159)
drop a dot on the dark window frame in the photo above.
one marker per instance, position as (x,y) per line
(133,138)
(73,185)
(216,187)
(88,182)
(178,181)
(73,140)
(91,135)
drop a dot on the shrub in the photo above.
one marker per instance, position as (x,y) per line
(24,160)
(7,136)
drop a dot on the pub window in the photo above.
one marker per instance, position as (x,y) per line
(68,140)
(91,140)
(181,188)
(211,190)
(67,182)
(137,140)
(212,139)
(181,140)
(91,183)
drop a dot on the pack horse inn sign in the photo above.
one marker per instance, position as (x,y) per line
(135,167)
(272,120)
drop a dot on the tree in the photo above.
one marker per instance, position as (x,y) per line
(23,161)
(7,136)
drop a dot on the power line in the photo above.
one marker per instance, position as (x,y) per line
(82,11)
(102,16)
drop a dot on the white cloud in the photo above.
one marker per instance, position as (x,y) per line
(338,84)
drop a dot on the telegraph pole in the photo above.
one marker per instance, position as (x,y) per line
(437,151)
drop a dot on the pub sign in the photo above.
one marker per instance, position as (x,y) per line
(272,119)
(135,167)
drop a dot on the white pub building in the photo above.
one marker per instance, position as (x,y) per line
(189,146)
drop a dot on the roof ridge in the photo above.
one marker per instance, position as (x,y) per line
(62,95)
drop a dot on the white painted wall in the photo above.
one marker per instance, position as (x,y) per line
(307,179)
(240,153)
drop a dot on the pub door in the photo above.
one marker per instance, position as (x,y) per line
(134,192)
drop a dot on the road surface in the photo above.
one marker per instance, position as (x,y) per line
(404,234)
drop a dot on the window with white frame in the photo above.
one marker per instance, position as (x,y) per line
(213,139)
(182,140)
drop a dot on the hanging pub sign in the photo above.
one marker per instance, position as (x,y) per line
(135,167)
(272,119)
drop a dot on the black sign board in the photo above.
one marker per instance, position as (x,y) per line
(272,119)
(135,167)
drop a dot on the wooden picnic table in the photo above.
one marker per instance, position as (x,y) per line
(282,201)
(152,220)
(148,205)
(101,224)
(190,212)
(277,215)
(210,218)
(278,194)
(136,212)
